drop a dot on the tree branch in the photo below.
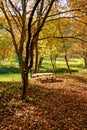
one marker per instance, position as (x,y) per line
(64,37)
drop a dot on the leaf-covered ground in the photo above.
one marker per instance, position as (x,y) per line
(60,105)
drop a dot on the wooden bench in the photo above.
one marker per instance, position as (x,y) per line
(41,75)
(44,77)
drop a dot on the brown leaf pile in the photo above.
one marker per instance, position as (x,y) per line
(48,106)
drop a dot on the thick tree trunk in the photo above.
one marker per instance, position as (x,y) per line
(68,67)
(24,76)
(25,84)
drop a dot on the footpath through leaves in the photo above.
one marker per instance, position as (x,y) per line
(48,106)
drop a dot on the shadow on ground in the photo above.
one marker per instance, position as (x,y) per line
(44,108)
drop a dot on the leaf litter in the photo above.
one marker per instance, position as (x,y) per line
(48,106)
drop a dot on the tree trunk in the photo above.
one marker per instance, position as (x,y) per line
(24,76)
(86,63)
(25,84)
(68,67)
(53,63)
(40,62)
(36,58)
(85,59)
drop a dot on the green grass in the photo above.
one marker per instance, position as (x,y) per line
(75,65)
(10,77)
(10,72)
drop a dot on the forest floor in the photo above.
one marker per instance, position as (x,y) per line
(59,105)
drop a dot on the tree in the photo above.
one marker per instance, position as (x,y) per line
(20,14)
(55,46)
(39,17)
(5,41)
(6,46)
(79,28)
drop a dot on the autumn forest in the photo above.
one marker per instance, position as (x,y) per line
(43,65)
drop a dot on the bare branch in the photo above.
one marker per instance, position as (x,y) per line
(15,8)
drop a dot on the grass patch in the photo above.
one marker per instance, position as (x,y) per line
(61,67)
(10,77)
(10,72)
